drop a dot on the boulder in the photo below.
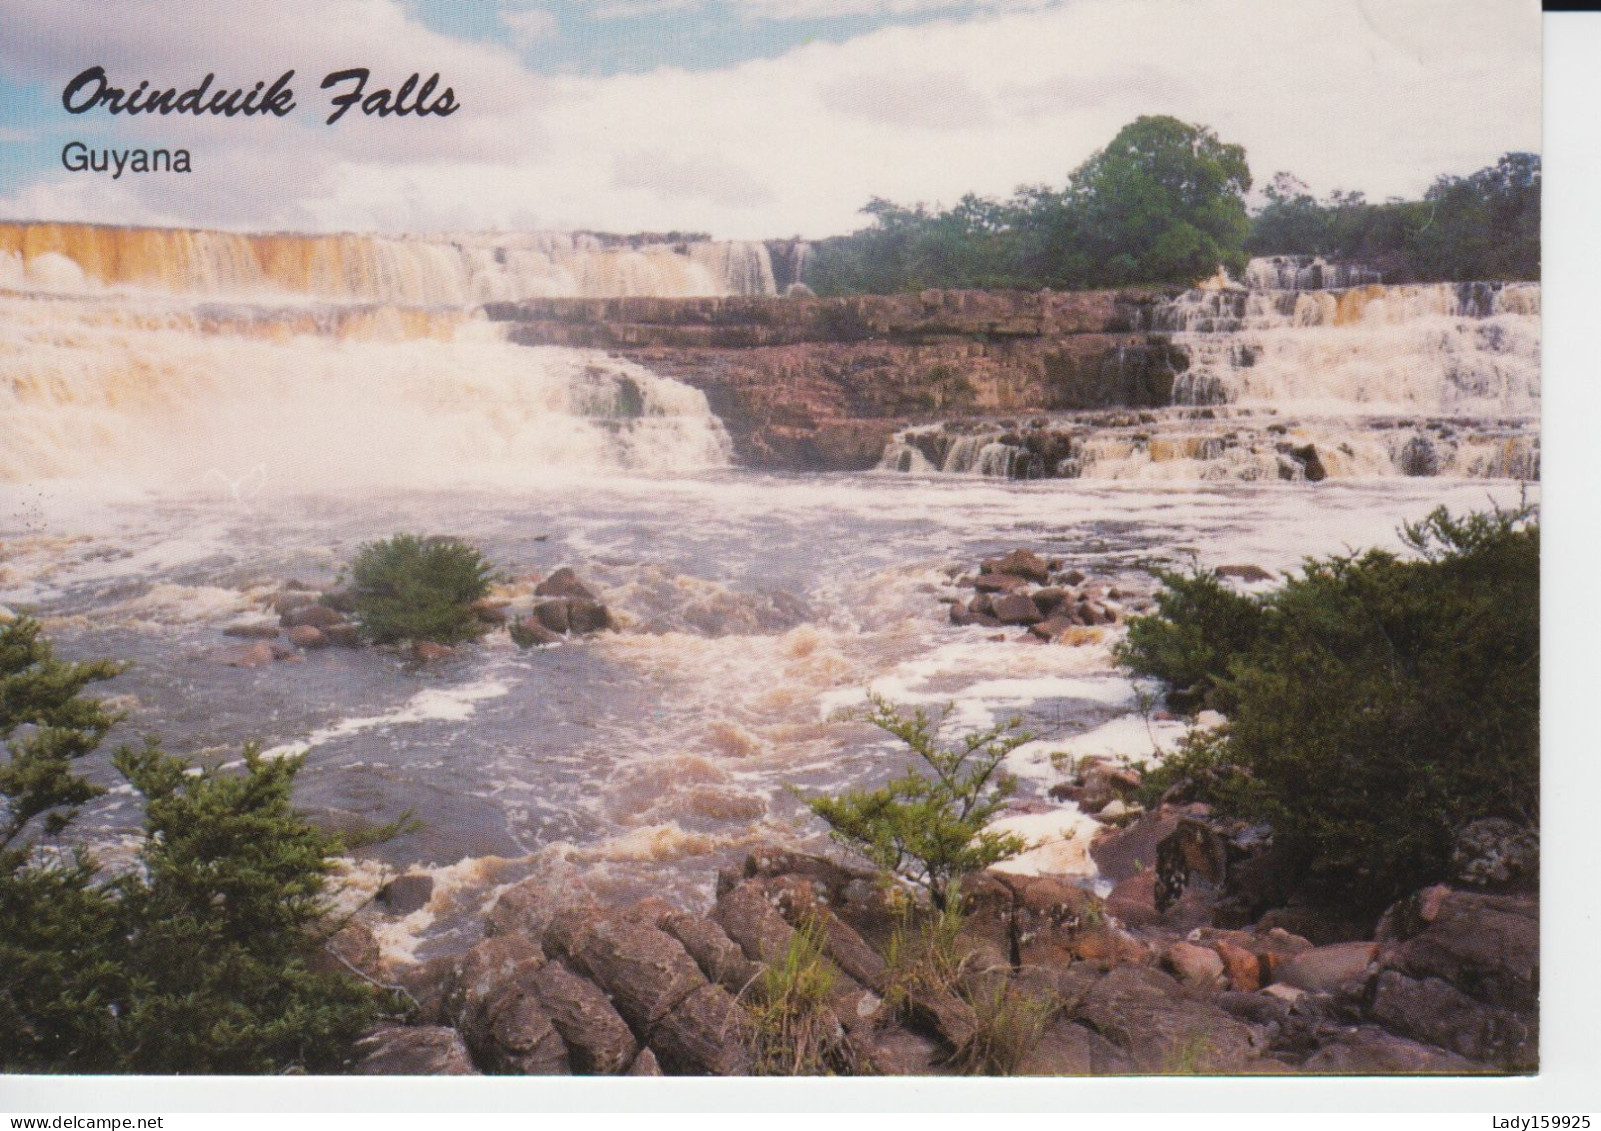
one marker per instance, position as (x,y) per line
(999,583)
(644,1065)
(527,908)
(1325,969)
(1015,608)
(290,600)
(564,583)
(1194,965)
(585,617)
(491,610)
(1244,967)
(427,983)
(405,894)
(428,652)
(352,947)
(424,1050)
(704,1034)
(1486,945)
(644,969)
(552,615)
(598,1040)
(522,1038)
(313,616)
(1127,851)
(1051,599)
(900,1052)
(1133,901)
(479,976)
(1148,1015)
(342,635)
(1020,563)
(1052,627)
(752,922)
(529,632)
(256,655)
(1438,1013)
(717,955)
(1370,1051)
(305,636)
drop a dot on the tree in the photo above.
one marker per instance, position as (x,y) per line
(931,830)
(197,959)
(413,588)
(1164,202)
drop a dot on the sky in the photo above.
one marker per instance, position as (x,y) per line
(743,118)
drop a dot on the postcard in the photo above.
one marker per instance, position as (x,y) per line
(898,538)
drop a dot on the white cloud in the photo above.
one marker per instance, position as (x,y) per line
(529,25)
(1353,94)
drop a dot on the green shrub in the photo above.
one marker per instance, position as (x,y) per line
(1385,702)
(195,960)
(412,588)
(930,830)
(795,1034)
(1200,625)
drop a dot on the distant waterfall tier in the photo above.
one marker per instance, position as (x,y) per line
(233,398)
(1459,349)
(1206,445)
(1306,273)
(458,270)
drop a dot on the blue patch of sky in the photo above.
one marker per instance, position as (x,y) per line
(33,128)
(607,37)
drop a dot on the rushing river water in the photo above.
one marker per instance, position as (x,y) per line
(166,465)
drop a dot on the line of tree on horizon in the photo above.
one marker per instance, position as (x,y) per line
(1165,203)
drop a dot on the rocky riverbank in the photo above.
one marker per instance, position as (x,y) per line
(1042,977)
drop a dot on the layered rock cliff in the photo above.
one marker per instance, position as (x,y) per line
(823,383)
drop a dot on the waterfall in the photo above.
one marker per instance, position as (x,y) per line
(459,270)
(231,398)
(1309,370)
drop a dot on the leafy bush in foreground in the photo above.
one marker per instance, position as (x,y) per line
(1199,626)
(411,588)
(930,830)
(193,961)
(1381,704)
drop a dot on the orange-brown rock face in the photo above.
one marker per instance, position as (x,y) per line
(822,383)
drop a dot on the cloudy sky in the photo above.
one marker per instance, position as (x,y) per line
(745,118)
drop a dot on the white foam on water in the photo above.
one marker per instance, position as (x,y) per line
(433,704)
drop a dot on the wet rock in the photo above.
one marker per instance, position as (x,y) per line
(900,1052)
(585,617)
(405,894)
(529,632)
(480,975)
(753,923)
(598,1040)
(1497,855)
(342,635)
(527,908)
(253,630)
(1052,627)
(1369,1051)
(313,616)
(256,655)
(305,636)
(1244,572)
(427,652)
(1438,1013)
(491,610)
(1051,599)
(1014,608)
(352,948)
(564,583)
(1325,969)
(399,1050)
(645,970)
(1002,583)
(428,983)
(704,1034)
(1020,563)
(552,615)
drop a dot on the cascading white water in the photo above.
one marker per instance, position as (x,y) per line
(1286,381)
(237,399)
(459,270)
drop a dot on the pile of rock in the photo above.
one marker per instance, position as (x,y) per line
(561,984)
(1102,788)
(1026,590)
(564,606)
(297,618)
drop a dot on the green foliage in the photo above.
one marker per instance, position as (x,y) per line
(930,830)
(1385,702)
(1162,203)
(1483,226)
(41,696)
(1010,1024)
(794,1032)
(1199,626)
(927,953)
(193,961)
(412,588)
